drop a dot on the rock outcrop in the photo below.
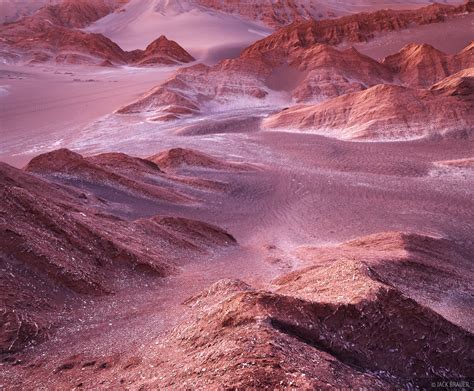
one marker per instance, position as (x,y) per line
(383,112)
(460,84)
(315,74)
(356,97)
(71,166)
(330,73)
(160,51)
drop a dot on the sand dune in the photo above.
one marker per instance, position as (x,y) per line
(202,32)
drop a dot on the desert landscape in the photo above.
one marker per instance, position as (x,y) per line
(236,195)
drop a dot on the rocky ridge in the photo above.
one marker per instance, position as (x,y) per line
(359,313)
(64,233)
(297,64)
(383,112)
(333,80)
(337,319)
(285,12)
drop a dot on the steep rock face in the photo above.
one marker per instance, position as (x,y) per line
(384,112)
(51,35)
(423,65)
(62,234)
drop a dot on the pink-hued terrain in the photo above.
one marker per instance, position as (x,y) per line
(229,195)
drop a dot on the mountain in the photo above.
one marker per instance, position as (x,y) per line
(274,14)
(293,215)
(160,51)
(306,75)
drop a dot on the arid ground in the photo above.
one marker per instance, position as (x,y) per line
(271,197)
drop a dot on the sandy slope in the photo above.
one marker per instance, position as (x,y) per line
(63,101)
(212,35)
(205,34)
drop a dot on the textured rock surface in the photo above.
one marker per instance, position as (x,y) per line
(161,51)
(78,13)
(314,74)
(284,12)
(366,312)
(61,237)
(423,65)
(297,63)
(383,112)
(359,313)
(119,272)
(460,84)
(354,28)
(357,96)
